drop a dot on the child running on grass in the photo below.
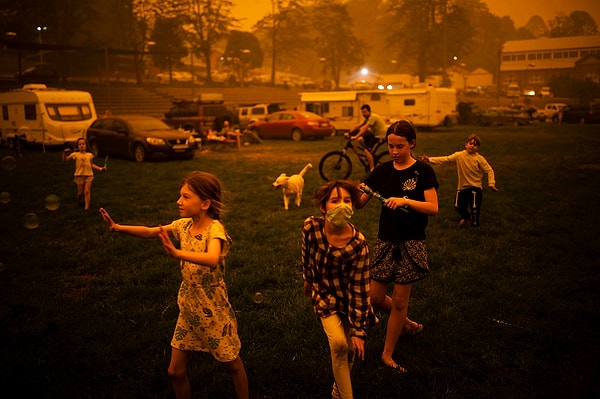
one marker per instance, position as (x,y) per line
(470,167)
(335,259)
(206,320)
(84,171)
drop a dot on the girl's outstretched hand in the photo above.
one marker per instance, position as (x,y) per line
(167,243)
(108,220)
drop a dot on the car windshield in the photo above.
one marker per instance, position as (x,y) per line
(148,124)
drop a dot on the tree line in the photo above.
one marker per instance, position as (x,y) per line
(414,36)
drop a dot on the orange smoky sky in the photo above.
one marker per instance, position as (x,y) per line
(250,11)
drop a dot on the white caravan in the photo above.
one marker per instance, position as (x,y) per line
(426,107)
(47,116)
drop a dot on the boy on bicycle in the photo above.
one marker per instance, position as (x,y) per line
(368,132)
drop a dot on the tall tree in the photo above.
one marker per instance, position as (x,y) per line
(242,53)
(205,22)
(578,23)
(430,32)
(335,42)
(283,33)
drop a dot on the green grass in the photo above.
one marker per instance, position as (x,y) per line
(510,309)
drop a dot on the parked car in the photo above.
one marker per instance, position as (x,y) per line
(139,137)
(176,76)
(253,113)
(40,73)
(583,113)
(551,112)
(513,91)
(497,116)
(207,112)
(295,125)
(545,92)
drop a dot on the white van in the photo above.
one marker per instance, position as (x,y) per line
(47,116)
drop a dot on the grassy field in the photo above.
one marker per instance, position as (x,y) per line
(510,309)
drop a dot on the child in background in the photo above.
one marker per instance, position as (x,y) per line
(470,167)
(335,259)
(84,171)
(206,319)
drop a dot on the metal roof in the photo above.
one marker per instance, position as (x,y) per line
(554,43)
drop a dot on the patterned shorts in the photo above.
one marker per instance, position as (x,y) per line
(400,263)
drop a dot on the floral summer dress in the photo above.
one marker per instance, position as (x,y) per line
(206,319)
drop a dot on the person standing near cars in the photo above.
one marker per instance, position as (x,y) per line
(368,132)
(84,171)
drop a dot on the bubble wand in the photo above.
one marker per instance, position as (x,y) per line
(106,163)
(376,195)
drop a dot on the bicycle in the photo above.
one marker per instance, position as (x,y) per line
(337,164)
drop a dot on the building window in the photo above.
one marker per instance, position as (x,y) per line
(573,54)
(558,55)
(546,56)
(584,53)
(531,56)
(505,58)
(521,57)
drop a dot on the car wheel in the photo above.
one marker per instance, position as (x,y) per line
(94,149)
(139,153)
(296,134)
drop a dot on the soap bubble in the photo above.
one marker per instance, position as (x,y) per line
(4,197)
(52,202)
(9,162)
(32,221)
(258,297)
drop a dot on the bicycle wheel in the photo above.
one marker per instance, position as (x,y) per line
(335,165)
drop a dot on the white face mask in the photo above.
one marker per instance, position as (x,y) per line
(340,215)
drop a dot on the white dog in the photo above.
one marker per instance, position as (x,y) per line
(292,186)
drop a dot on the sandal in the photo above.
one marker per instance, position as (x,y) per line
(396,368)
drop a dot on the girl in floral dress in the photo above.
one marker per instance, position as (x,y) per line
(206,319)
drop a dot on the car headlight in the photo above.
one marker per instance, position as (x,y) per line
(155,141)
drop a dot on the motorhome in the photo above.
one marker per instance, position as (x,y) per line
(425,107)
(47,116)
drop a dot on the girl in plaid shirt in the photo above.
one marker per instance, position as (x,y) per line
(335,259)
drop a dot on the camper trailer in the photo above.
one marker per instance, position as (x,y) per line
(40,115)
(425,107)
(343,107)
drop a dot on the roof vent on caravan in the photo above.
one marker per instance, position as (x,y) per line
(35,86)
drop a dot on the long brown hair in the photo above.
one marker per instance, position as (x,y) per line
(206,186)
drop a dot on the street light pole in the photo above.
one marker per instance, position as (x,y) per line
(41,29)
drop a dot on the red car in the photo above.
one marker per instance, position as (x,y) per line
(296,125)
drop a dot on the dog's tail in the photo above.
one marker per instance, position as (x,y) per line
(304,169)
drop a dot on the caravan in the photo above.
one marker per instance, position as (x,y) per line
(425,107)
(47,116)
(343,107)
